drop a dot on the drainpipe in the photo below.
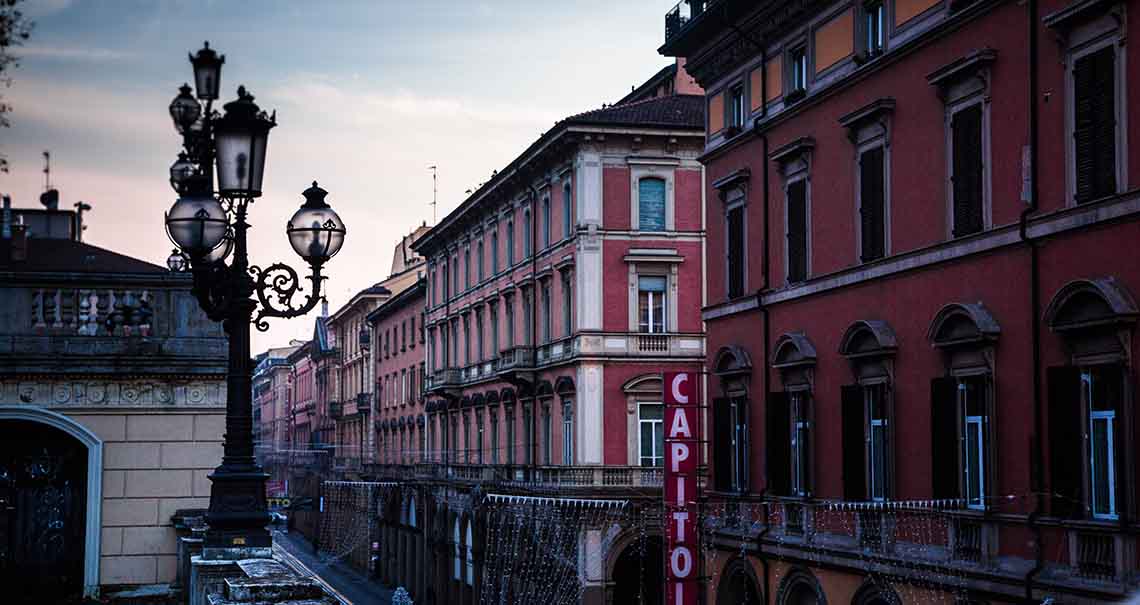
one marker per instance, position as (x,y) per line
(1037,476)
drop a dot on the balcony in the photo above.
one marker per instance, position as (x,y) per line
(447,377)
(526,477)
(680,15)
(515,358)
(638,344)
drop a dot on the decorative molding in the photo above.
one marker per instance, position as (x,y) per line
(116,393)
(793,150)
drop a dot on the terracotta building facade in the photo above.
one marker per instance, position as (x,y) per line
(921,298)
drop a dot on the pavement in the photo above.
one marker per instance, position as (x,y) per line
(347,584)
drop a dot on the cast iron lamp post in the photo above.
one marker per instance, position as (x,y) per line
(209,227)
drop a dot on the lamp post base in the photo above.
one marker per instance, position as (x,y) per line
(237,517)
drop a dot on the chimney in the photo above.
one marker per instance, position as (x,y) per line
(19,243)
(7,217)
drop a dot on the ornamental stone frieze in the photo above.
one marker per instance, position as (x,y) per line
(81,393)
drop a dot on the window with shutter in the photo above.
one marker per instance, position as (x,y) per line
(872,212)
(1094,124)
(651,204)
(1064,385)
(797,231)
(966,126)
(944,442)
(778,444)
(735,261)
(854,444)
(722,444)
(741,444)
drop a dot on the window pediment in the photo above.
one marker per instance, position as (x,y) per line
(868,119)
(731,360)
(1090,303)
(793,350)
(646,384)
(962,323)
(868,338)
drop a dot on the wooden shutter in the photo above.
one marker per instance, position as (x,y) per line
(797,231)
(1094,120)
(1065,455)
(778,452)
(744,447)
(735,264)
(722,444)
(854,444)
(871,204)
(966,130)
(945,441)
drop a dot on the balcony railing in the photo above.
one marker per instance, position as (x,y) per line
(552,477)
(1096,556)
(515,358)
(681,14)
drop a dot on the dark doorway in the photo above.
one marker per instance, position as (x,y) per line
(639,573)
(43,501)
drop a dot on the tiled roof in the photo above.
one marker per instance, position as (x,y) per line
(674,111)
(67,256)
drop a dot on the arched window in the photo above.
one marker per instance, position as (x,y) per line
(457,557)
(800,587)
(470,558)
(651,204)
(412,511)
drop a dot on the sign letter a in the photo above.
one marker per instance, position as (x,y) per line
(680,427)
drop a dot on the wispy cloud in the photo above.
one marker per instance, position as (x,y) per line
(73,53)
(43,8)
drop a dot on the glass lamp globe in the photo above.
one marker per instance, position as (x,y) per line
(207,72)
(181,171)
(241,137)
(196,223)
(315,231)
(176,262)
(222,251)
(184,110)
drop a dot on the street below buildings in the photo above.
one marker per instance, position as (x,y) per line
(348,585)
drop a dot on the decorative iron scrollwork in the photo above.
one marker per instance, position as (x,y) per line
(276,286)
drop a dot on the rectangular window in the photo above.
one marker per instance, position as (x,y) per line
(510,436)
(467,268)
(797,231)
(730,455)
(510,243)
(800,442)
(734,224)
(545,222)
(736,110)
(467,357)
(872,204)
(877,441)
(528,315)
(479,260)
(567,306)
(546,311)
(494,330)
(528,234)
(509,311)
(651,204)
(873,21)
(528,434)
(567,211)
(967,176)
(974,456)
(798,66)
(567,434)
(1102,393)
(479,335)
(1094,124)
(494,437)
(651,434)
(547,433)
(479,442)
(651,304)
(494,252)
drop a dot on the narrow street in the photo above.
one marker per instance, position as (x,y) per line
(349,585)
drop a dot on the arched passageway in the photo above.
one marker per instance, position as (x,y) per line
(639,573)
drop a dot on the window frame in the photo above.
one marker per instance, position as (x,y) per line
(567,209)
(736,107)
(656,457)
(736,199)
(545,221)
(1089,416)
(1089,39)
(567,432)
(802,459)
(797,76)
(869,49)
(965,95)
(665,304)
(801,175)
(864,146)
(643,168)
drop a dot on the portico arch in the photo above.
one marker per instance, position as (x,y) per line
(94,493)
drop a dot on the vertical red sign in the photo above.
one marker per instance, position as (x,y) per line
(682,445)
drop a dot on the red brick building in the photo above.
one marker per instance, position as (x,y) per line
(398,337)
(555,296)
(922,225)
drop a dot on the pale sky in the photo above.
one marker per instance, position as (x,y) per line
(368,94)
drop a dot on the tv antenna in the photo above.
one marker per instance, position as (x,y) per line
(434,175)
(47,170)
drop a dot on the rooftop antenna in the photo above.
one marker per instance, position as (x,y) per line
(47,170)
(434,174)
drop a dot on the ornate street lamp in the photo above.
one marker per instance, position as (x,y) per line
(209,229)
